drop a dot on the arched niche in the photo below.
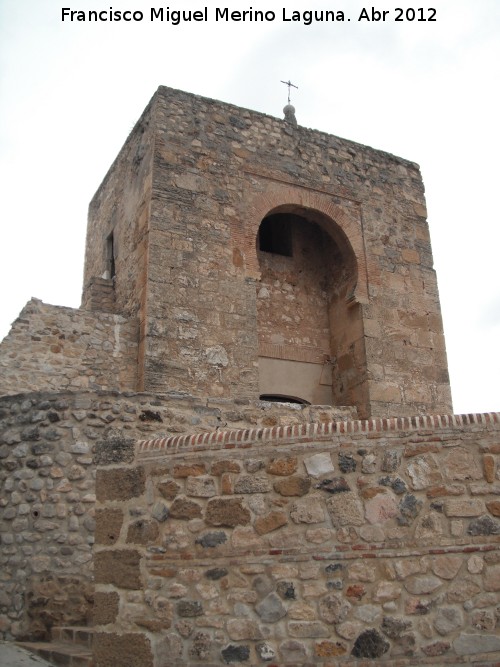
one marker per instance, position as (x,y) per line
(309,323)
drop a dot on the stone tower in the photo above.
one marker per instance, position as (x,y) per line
(146,490)
(264,259)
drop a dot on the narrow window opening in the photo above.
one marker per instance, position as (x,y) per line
(110,257)
(275,235)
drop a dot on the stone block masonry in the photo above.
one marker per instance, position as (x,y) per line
(346,542)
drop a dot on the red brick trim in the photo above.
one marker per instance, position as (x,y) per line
(275,194)
(243,438)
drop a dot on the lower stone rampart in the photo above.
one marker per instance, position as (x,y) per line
(47,477)
(354,542)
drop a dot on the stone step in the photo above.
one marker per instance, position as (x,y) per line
(61,654)
(79,635)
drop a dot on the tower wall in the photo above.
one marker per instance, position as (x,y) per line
(184,202)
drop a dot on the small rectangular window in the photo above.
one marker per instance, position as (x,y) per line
(275,235)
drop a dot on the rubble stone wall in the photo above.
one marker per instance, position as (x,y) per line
(47,477)
(55,348)
(316,544)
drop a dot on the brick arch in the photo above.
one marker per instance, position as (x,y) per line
(335,217)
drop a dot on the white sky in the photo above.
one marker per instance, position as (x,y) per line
(426,91)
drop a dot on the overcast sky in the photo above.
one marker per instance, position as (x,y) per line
(427,91)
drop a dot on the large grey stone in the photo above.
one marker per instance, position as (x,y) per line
(469,644)
(293,651)
(448,619)
(271,608)
(423,584)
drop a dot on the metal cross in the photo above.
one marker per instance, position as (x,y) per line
(290,85)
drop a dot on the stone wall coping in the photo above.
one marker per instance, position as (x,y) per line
(243,438)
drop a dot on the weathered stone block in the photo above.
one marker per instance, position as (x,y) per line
(484,525)
(448,619)
(226,465)
(462,589)
(142,532)
(303,629)
(168,489)
(189,608)
(493,507)
(201,487)
(105,608)
(116,449)
(293,651)
(122,650)
(370,644)
(167,648)
(201,647)
(293,486)
(459,465)
(252,484)
(119,483)
(319,465)
(189,470)
(446,566)
(119,567)
(329,649)
(108,523)
(489,468)
(463,507)
(212,539)
(160,511)
(368,613)
(391,460)
(235,653)
(228,512)
(269,522)
(183,508)
(470,644)
(386,590)
(239,629)
(394,627)
(334,485)
(436,648)
(333,608)
(492,578)
(422,585)
(308,510)
(286,590)
(381,508)
(265,651)
(424,471)
(270,609)
(282,466)
(216,573)
(346,509)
